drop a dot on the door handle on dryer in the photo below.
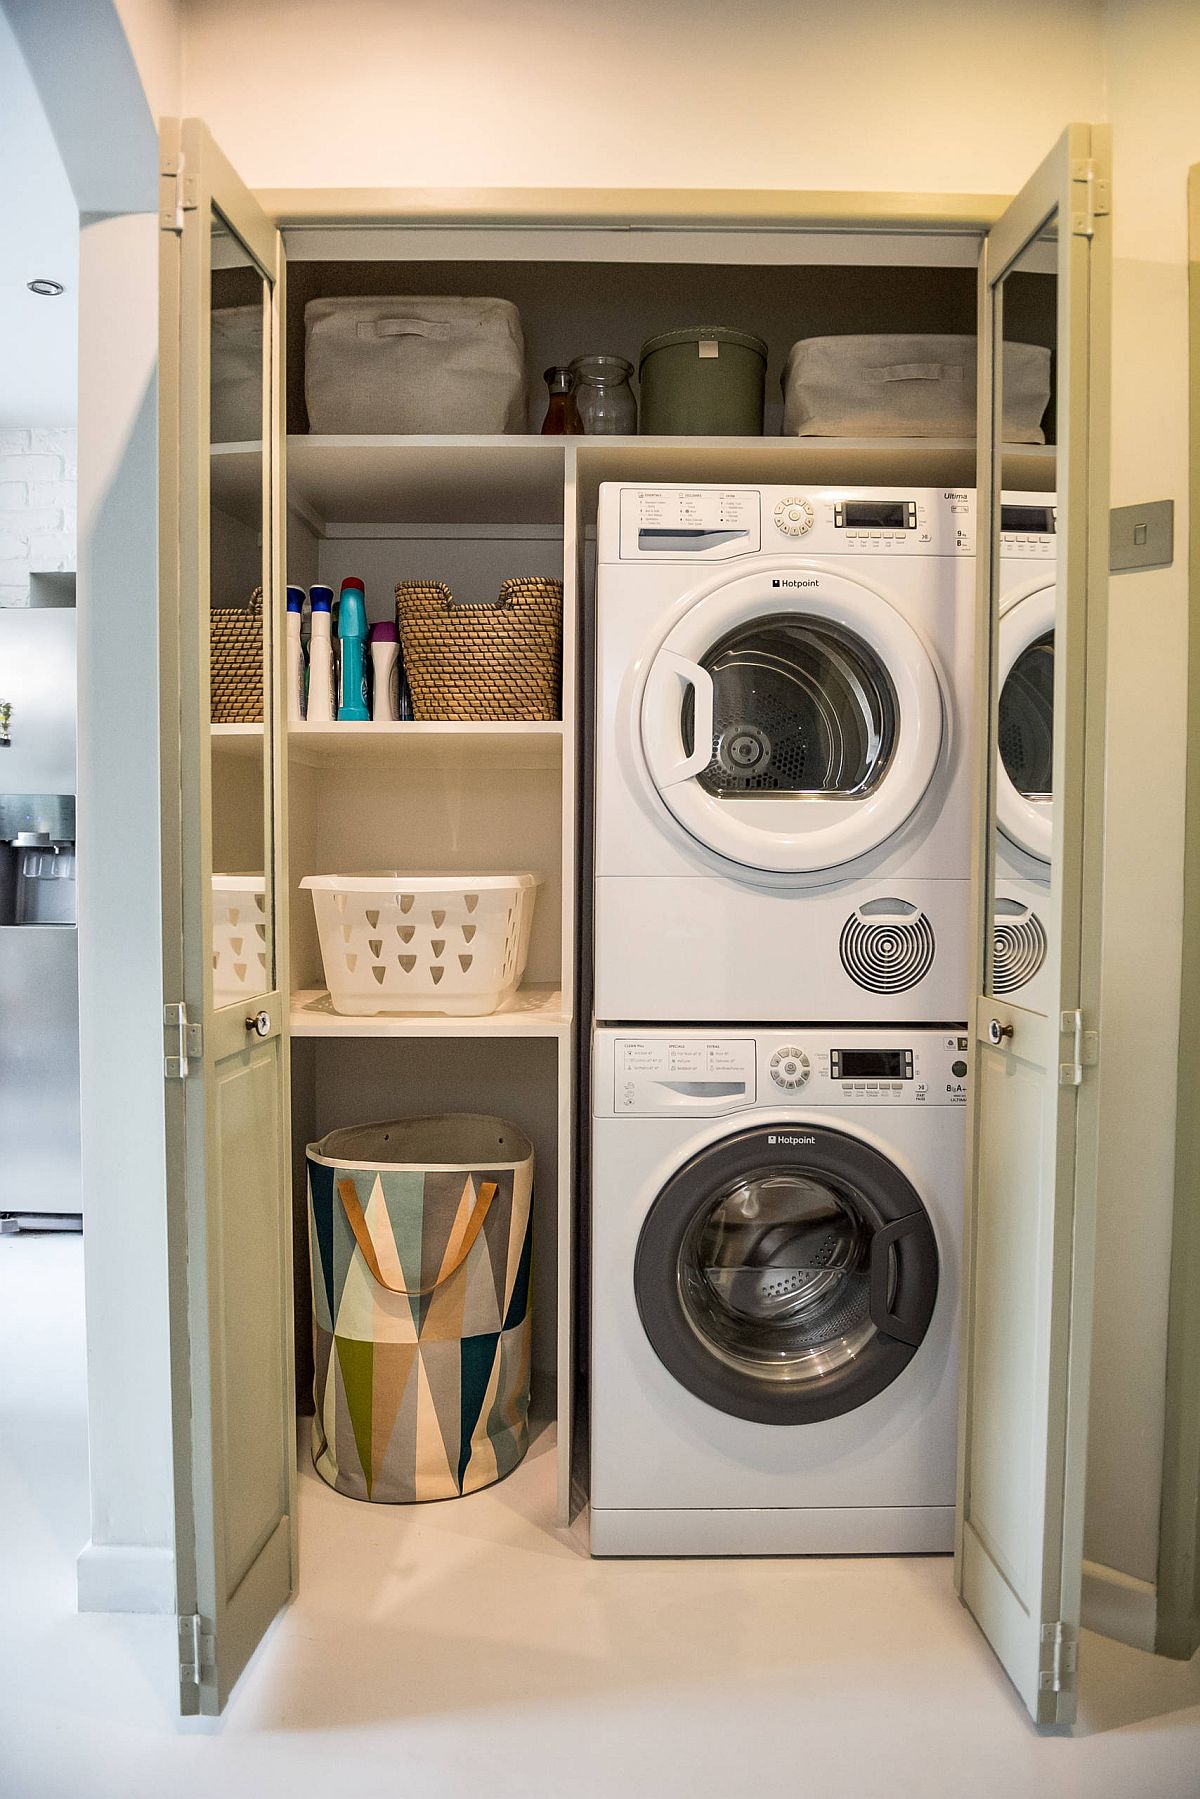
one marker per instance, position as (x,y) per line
(663,718)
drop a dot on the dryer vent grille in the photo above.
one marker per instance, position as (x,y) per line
(887,946)
(1019,943)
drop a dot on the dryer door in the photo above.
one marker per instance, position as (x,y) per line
(1025,782)
(787,1274)
(791,720)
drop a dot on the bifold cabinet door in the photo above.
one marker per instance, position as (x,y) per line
(1032,1125)
(226,1077)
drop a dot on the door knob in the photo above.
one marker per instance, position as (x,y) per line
(259,1023)
(997,1032)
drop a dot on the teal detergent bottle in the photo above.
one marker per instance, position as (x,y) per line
(352,643)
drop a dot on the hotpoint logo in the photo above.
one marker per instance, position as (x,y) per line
(792,1142)
(784,582)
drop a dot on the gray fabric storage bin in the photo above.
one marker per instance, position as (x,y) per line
(237,375)
(907,386)
(414,366)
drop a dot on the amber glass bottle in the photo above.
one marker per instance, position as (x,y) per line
(562,415)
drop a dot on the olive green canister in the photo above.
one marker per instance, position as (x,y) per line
(702,383)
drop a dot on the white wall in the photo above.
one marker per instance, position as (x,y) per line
(39,237)
(90,86)
(772,93)
(37,506)
(1153,58)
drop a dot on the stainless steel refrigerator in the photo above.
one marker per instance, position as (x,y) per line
(39,962)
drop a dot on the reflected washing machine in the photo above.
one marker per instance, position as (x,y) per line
(776,1240)
(1024,794)
(783,785)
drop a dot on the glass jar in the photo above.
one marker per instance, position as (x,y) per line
(604,396)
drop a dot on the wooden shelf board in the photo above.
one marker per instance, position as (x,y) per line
(238,740)
(519,480)
(502,744)
(537,1011)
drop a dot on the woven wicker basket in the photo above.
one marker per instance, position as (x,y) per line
(236,663)
(497,660)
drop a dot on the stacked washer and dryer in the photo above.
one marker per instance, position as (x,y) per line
(781,909)
(1024,796)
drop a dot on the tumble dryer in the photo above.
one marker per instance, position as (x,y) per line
(776,1238)
(782,799)
(1024,791)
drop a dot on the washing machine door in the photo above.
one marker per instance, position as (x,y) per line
(787,1274)
(791,722)
(1025,786)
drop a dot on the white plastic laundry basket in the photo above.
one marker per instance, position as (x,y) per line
(456,944)
(413,364)
(239,937)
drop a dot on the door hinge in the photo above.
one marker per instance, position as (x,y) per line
(195,1650)
(1060,1658)
(1085,1049)
(177,194)
(1091,198)
(184,1042)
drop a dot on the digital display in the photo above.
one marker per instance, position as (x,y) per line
(875,1064)
(1027,518)
(882,515)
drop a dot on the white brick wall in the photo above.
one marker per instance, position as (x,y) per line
(37,506)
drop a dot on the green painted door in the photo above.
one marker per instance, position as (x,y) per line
(221,482)
(1032,1131)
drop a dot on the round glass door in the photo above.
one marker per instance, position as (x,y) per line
(799,706)
(791,733)
(787,1282)
(1025,789)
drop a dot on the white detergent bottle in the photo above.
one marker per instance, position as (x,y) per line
(320,657)
(295,655)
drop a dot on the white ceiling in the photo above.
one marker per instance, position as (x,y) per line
(39,235)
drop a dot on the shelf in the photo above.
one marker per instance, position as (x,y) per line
(427,480)
(536,1012)
(512,481)
(874,461)
(237,740)
(434,744)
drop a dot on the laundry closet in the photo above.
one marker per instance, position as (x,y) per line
(258,1078)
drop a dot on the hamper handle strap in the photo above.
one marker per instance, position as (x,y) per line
(915,371)
(439,329)
(352,1206)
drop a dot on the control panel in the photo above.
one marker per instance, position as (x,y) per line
(716,524)
(660,1073)
(1028,526)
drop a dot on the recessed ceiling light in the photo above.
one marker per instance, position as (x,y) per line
(44,286)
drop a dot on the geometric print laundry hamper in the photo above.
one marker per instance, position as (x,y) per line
(420,1237)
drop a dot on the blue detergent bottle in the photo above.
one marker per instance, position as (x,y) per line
(352,643)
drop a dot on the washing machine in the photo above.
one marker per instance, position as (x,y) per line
(782,773)
(776,1240)
(1024,792)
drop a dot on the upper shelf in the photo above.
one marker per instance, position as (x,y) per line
(519,480)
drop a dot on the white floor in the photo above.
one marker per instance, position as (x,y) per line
(465,1649)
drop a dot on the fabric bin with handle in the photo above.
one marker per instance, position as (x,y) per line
(907,386)
(498,660)
(237,375)
(414,366)
(420,1240)
(454,944)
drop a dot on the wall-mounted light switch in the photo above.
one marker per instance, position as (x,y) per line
(1142,536)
